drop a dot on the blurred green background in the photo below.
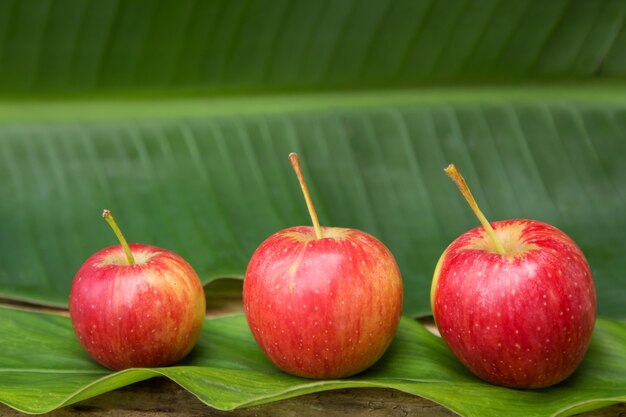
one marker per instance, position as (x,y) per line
(179,115)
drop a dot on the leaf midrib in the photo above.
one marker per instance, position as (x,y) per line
(168,105)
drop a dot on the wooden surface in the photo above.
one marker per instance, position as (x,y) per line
(160,397)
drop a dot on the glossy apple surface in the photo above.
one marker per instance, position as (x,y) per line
(144,315)
(323,308)
(523,319)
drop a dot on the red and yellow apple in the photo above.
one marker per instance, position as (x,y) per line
(136,305)
(514,300)
(322,302)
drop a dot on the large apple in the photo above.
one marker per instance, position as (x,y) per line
(514,300)
(322,302)
(136,305)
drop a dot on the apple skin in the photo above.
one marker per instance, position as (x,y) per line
(521,320)
(149,314)
(323,308)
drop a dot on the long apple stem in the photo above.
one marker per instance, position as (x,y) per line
(458,179)
(108,216)
(295,163)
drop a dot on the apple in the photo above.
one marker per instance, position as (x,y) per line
(322,302)
(514,300)
(136,305)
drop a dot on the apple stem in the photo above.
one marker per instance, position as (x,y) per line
(108,216)
(458,179)
(295,163)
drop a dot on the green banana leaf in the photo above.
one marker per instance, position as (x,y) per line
(42,368)
(239,46)
(213,186)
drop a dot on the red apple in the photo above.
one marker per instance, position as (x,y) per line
(514,301)
(322,302)
(136,305)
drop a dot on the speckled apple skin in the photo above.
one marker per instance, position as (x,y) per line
(523,320)
(145,315)
(323,308)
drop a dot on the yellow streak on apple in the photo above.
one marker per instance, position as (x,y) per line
(511,238)
(295,163)
(493,244)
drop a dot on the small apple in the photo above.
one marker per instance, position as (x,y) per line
(514,300)
(322,302)
(136,305)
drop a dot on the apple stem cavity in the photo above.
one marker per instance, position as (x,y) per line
(458,179)
(295,163)
(108,216)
